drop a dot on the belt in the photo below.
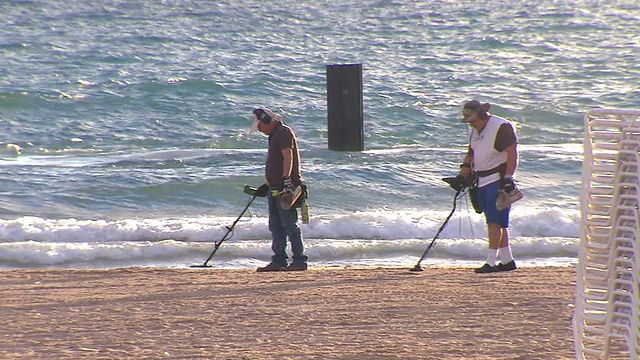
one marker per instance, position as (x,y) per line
(498,169)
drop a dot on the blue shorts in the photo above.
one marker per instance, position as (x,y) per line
(485,199)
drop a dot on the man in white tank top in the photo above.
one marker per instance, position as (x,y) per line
(492,157)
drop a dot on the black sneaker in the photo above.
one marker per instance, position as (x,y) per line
(510,266)
(271,267)
(296,267)
(486,268)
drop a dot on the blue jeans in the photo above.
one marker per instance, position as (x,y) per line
(283,223)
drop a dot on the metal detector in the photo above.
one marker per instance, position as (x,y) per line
(459,193)
(226,236)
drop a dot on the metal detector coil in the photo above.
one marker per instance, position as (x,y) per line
(229,231)
(459,193)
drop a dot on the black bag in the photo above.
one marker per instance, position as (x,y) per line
(473,191)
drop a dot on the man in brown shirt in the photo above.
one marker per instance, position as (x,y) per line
(282,172)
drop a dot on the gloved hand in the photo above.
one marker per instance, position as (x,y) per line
(457,183)
(288,185)
(262,190)
(507,184)
(508,193)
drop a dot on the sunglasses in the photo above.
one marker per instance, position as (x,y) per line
(472,117)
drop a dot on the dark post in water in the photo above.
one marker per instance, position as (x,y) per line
(344,107)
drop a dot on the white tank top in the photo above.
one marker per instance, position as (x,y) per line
(485,156)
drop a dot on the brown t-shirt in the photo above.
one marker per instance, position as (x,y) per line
(505,138)
(282,138)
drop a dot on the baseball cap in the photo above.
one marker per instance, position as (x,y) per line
(265,113)
(475,106)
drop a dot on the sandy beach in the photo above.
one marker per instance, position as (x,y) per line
(323,313)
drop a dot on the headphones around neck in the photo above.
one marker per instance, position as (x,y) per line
(262,116)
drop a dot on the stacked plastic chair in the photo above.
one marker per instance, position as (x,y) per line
(607,308)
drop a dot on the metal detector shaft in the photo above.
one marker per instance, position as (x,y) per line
(229,230)
(444,224)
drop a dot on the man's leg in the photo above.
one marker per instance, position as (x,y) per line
(289,219)
(495,237)
(506,256)
(278,234)
(497,221)
(504,252)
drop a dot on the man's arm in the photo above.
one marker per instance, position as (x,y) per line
(287,162)
(506,141)
(512,159)
(465,170)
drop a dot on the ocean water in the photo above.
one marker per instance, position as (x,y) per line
(124,125)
